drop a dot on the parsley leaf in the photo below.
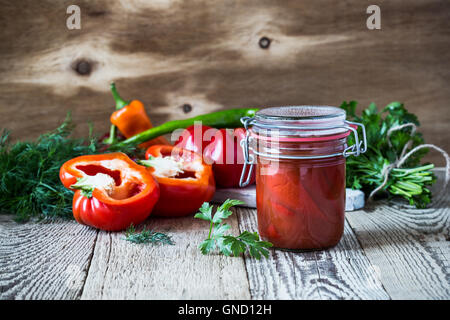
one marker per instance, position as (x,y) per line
(224,211)
(228,244)
(205,212)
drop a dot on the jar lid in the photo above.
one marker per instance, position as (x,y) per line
(300,121)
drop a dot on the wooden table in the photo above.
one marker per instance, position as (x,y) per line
(388,251)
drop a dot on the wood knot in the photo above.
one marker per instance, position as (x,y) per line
(186,108)
(97,13)
(82,67)
(264,43)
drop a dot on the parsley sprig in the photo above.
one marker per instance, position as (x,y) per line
(229,244)
(147,236)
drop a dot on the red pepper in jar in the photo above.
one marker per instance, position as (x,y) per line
(185,181)
(300,156)
(111,191)
(302,205)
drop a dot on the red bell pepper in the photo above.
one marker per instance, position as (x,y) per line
(196,138)
(185,181)
(111,191)
(228,157)
(221,148)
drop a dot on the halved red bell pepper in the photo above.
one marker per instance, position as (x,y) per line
(221,148)
(185,181)
(111,190)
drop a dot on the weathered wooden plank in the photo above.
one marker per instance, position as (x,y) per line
(44,260)
(343,272)
(209,54)
(123,270)
(409,248)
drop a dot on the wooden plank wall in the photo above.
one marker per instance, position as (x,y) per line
(211,55)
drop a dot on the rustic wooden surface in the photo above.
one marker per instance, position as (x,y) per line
(120,270)
(388,251)
(211,55)
(44,260)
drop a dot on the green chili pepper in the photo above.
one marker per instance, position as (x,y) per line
(219,119)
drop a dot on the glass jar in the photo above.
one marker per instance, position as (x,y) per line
(299,153)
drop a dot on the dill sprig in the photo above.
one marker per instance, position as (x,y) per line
(29,173)
(147,236)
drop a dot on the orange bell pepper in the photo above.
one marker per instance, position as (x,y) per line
(111,190)
(131,118)
(185,181)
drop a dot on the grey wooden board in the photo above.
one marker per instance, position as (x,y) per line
(388,251)
(47,260)
(124,270)
(409,248)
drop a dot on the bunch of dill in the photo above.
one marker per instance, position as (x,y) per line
(29,173)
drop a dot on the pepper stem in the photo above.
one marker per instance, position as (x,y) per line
(146,163)
(120,103)
(85,186)
(112,136)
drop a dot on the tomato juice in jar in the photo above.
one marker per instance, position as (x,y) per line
(299,153)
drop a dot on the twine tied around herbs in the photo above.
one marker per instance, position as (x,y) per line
(404,156)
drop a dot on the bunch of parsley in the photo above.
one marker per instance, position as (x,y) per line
(365,171)
(29,173)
